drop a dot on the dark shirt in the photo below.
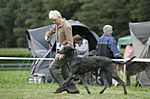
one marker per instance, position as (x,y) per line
(112,44)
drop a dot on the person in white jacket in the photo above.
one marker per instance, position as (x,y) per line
(81,45)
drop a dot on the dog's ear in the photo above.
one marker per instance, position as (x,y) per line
(68,48)
(93,53)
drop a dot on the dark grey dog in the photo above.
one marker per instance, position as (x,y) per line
(135,67)
(82,65)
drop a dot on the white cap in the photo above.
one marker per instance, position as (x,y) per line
(106,28)
(54,14)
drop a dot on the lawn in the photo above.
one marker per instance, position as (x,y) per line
(15,52)
(14,85)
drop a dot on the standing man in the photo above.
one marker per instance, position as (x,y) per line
(108,39)
(107,46)
(59,68)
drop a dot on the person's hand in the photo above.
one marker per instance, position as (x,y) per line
(76,46)
(60,56)
(46,38)
(119,56)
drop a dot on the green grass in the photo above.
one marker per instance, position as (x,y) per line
(21,52)
(13,85)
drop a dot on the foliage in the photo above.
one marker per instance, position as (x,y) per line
(18,15)
(13,85)
(100,12)
(143,10)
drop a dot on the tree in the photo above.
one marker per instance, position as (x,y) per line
(30,15)
(144,11)
(133,6)
(18,15)
(97,13)
(7,22)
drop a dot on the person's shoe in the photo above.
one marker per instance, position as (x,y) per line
(60,89)
(71,88)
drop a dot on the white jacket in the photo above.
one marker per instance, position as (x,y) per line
(83,48)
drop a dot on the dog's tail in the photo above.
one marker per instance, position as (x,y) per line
(119,62)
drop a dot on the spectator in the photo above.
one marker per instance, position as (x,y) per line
(81,45)
(59,68)
(108,39)
(128,53)
(107,46)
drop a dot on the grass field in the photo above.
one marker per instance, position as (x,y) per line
(14,85)
(14,52)
(21,52)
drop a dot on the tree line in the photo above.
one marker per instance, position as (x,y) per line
(18,15)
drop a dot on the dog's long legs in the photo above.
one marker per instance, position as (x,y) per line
(67,80)
(85,83)
(117,78)
(65,83)
(104,77)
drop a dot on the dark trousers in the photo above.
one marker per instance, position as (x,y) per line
(59,70)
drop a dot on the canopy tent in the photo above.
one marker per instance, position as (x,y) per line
(125,40)
(140,33)
(42,49)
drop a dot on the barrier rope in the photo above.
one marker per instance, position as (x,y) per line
(134,60)
(24,58)
(21,58)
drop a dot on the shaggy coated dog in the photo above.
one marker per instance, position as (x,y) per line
(82,65)
(136,67)
(133,68)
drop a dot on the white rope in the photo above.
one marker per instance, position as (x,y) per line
(134,60)
(21,58)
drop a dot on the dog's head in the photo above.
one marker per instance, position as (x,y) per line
(67,50)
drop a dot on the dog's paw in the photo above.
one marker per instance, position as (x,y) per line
(89,92)
(101,92)
(59,90)
(125,93)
